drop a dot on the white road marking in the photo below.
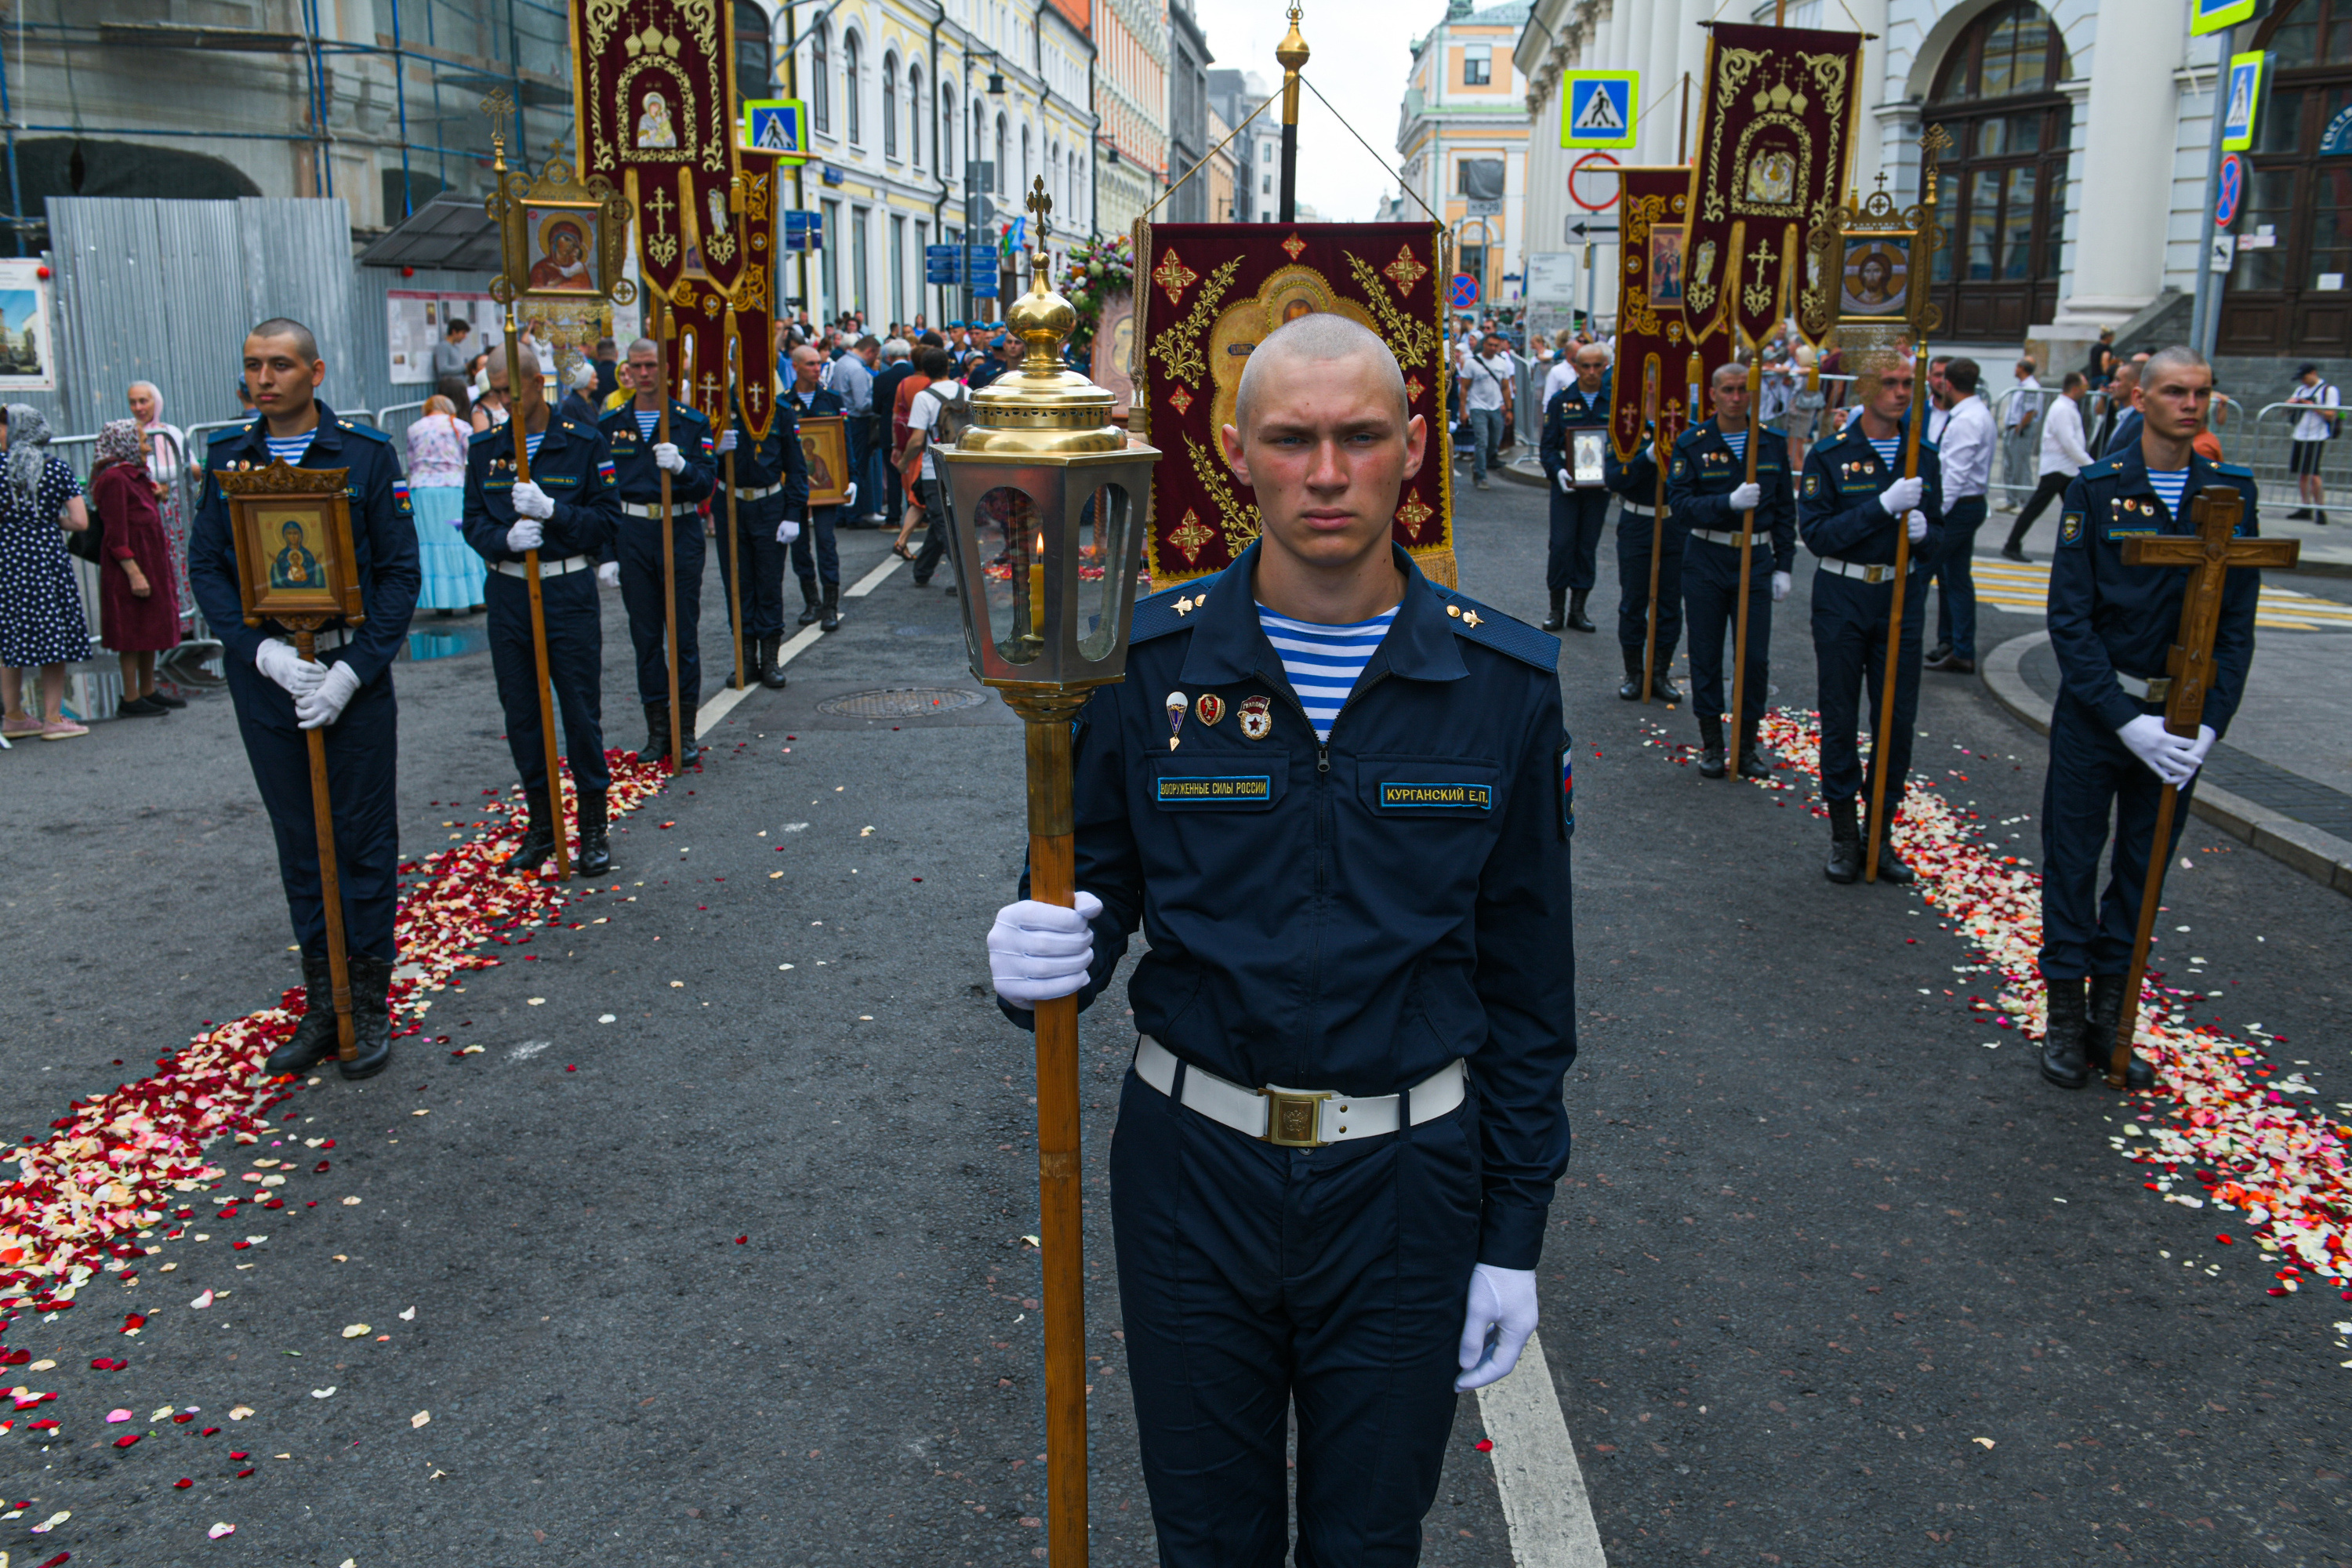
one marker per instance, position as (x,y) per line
(1545,1505)
(723,704)
(874,579)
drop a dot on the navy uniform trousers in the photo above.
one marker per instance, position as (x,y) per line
(640,551)
(1573,560)
(2086,931)
(575,663)
(363,790)
(1850,624)
(1251,1277)
(814,558)
(1634,535)
(1711,594)
(756,522)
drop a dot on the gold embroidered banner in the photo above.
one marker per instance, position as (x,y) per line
(1207,293)
(1774,142)
(755,364)
(655,85)
(1652,381)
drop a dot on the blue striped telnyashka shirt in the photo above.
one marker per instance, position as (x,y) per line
(1737,441)
(1323,662)
(530,444)
(2169,488)
(646,419)
(1890,451)
(290,448)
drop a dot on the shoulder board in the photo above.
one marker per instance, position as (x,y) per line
(492,434)
(2235,470)
(2105,467)
(572,426)
(677,408)
(1170,609)
(1471,619)
(370,431)
(1689,437)
(233,433)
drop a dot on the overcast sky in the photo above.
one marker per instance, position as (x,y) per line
(1358,60)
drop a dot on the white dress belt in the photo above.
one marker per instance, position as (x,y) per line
(1629,509)
(2145,688)
(1730,537)
(1298,1118)
(547,568)
(653,508)
(339,637)
(761,494)
(1868,571)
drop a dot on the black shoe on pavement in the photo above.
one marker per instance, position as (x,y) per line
(595,842)
(1577,621)
(1890,866)
(2063,1062)
(831,620)
(772,674)
(656,744)
(2013,553)
(685,735)
(1846,843)
(160,700)
(538,840)
(1557,619)
(2105,1016)
(2300,514)
(1755,761)
(811,606)
(1710,747)
(140,707)
(313,1039)
(1952,664)
(1631,690)
(370,1017)
(1937,654)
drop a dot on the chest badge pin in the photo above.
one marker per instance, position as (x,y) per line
(1256,717)
(1177,703)
(1209,708)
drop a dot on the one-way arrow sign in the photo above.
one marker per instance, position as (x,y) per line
(1588,229)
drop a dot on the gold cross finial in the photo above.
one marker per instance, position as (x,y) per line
(497,107)
(1040,203)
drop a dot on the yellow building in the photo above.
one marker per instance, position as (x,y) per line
(1462,137)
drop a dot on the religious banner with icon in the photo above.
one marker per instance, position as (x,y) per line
(654,84)
(1654,345)
(1205,295)
(1775,141)
(292,531)
(754,318)
(1882,256)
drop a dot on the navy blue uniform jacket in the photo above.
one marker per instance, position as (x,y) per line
(1354,915)
(1570,408)
(384,538)
(1637,481)
(1837,504)
(632,455)
(574,466)
(777,461)
(2106,617)
(1706,471)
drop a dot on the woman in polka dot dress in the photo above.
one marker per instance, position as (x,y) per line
(41,623)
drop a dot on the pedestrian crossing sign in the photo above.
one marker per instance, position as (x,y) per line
(1597,109)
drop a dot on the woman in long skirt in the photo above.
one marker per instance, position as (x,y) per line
(136,616)
(436,494)
(41,623)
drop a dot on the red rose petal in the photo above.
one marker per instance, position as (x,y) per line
(127,1439)
(183,1481)
(242,1474)
(1486,1445)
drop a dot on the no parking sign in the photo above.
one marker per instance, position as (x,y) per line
(1462,291)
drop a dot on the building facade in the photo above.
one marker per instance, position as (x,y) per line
(1188,115)
(2074,193)
(1256,152)
(1462,134)
(1131,102)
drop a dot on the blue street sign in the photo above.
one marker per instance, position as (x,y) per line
(803,230)
(980,265)
(940,264)
(1462,292)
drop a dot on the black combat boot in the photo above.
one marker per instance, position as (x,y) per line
(2106,1016)
(370,1017)
(832,621)
(1662,685)
(656,744)
(1557,619)
(1755,761)
(313,1039)
(772,674)
(1631,690)
(685,734)
(1891,868)
(2063,1062)
(1710,746)
(1577,621)
(538,839)
(811,605)
(595,845)
(1846,843)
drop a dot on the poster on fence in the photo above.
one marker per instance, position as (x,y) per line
(28,347)
(415,320)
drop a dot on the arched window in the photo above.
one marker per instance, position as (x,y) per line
(890,106)
(915,115)
(2289,294)
(948,166)
(1000,154)
(849,88)
(820,80)
(1021,191)
(755,71)
(2003,193)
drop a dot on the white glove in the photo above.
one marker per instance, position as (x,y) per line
(666,455)
(2203,744)
(325,704)
(1566,481)
(1916,525)
(2167,756)
(1038,951)
(850,499)
(787,530)
(724,444)
(531,501)
(1502,1314)
(1782,584)
(1745,497)
(525,535)
(609,575)
(1901,496)
(277,659)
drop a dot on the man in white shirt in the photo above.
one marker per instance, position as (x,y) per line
(1939,398)
(947,396)
(1486,382)
(1967,451)
(2064,452)
(2313,430)
(2020,425)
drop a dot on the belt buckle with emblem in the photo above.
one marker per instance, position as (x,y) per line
(1291,1117)
(1256,717)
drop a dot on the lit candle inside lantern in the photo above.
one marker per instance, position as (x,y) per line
(1037,585)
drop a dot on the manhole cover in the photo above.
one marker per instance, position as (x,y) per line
(900,702)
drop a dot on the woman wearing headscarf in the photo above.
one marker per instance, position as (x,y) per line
(41,623)
(136,616)
(437,497)
(169,466)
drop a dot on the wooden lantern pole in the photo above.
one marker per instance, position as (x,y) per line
(322,814)
(540,663)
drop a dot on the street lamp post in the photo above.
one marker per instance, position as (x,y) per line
(1046,501)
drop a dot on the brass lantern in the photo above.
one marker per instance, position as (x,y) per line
(1046,501)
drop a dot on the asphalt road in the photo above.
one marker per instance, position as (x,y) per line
(738,1275)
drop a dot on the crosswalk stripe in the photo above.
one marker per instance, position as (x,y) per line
(2025,588)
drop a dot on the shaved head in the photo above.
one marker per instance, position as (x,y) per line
(1317,339)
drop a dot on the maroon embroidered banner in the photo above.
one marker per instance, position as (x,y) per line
(1652,381)
(755,295)
(1207,293)
(654,81)
(1774,142)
